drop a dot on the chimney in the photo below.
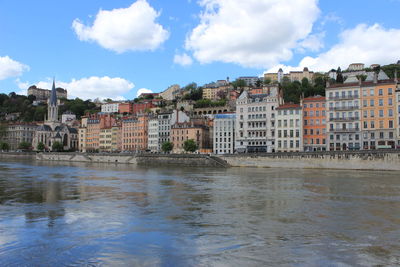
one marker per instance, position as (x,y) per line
(375,77)
(359,81)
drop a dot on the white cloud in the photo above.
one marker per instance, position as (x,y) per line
(143,91)
(90,88)
(366,44)
(11,68)
(314,42)
(252,33)
(183,59)
(123,29)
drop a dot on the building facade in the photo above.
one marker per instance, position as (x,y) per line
(255,122)
(379,122)
(314,123)
(343,121)
(44,94)
(181,132)
(289,128)
(16,133)
(135,133)
(224,133)
(112,107)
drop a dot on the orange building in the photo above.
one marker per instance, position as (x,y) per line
(180,132)
(93,134)
(314,123)
(378,113)
(125,108)
(135,133)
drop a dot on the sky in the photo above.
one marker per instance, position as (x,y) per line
(117,49)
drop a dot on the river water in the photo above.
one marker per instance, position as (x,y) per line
(54,214)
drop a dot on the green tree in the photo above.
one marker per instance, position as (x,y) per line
(57,146)
(167,146)
(190,145)
(4,146)
(24,145)
(40,146)
(239,84)
(267,81)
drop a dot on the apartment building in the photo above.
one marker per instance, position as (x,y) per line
(289,128)
(255,122)
(180,132)
(93,134)
(398,110)
(135,133)
(112,107)
(82,133)
(379,121)
(19,132)
(314,123)
(343,121)
(224,133)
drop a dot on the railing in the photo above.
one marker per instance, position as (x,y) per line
(345,119)
(347,97)
(343,108)
(346,130)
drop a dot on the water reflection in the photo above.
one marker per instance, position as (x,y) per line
(93,214)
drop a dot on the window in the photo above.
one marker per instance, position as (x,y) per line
(381,124)
(372,124)
(365,92)
(371,92)
(391,124)
(371,103)
(365,103)
(390,101)
(390,112)
(381,113)
(372,114)
(380,92)
(380,102)
(390,91)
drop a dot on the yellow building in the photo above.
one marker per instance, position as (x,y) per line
(82,134)
(300,75)
(212,92)
(105,140)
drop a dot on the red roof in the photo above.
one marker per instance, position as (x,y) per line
(289,106)
(314,99)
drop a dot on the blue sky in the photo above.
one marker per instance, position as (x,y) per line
(114,48)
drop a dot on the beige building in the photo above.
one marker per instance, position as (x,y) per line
(289,128)
(180,132)
(300,75)
(212,92)
(82,134)
(170,92)
(44,94)
(17,133)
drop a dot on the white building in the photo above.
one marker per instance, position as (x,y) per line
(110,107)
(343,120)
(224,133)
(160,128)
(169,93)
(255,122)
(153,135)
(250,80)
(289,128)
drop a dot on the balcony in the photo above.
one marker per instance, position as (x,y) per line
(345,119)
(343,108)
(344,130)
(347,97)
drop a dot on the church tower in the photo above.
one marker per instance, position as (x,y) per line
(52,109)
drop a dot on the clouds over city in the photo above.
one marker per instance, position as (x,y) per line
(183,59)
(124,29)
(91,87)
(11,68)
(363,43)
(254,33)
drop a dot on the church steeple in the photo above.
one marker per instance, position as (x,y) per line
(53,95)
(52,109)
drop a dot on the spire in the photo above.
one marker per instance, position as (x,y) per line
(53,95)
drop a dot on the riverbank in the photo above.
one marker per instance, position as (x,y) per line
(348,160)
(345,160)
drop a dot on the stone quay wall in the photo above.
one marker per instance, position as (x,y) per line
(351,160)
(191,160)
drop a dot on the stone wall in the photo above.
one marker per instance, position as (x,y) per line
(139,159)
(364,160)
